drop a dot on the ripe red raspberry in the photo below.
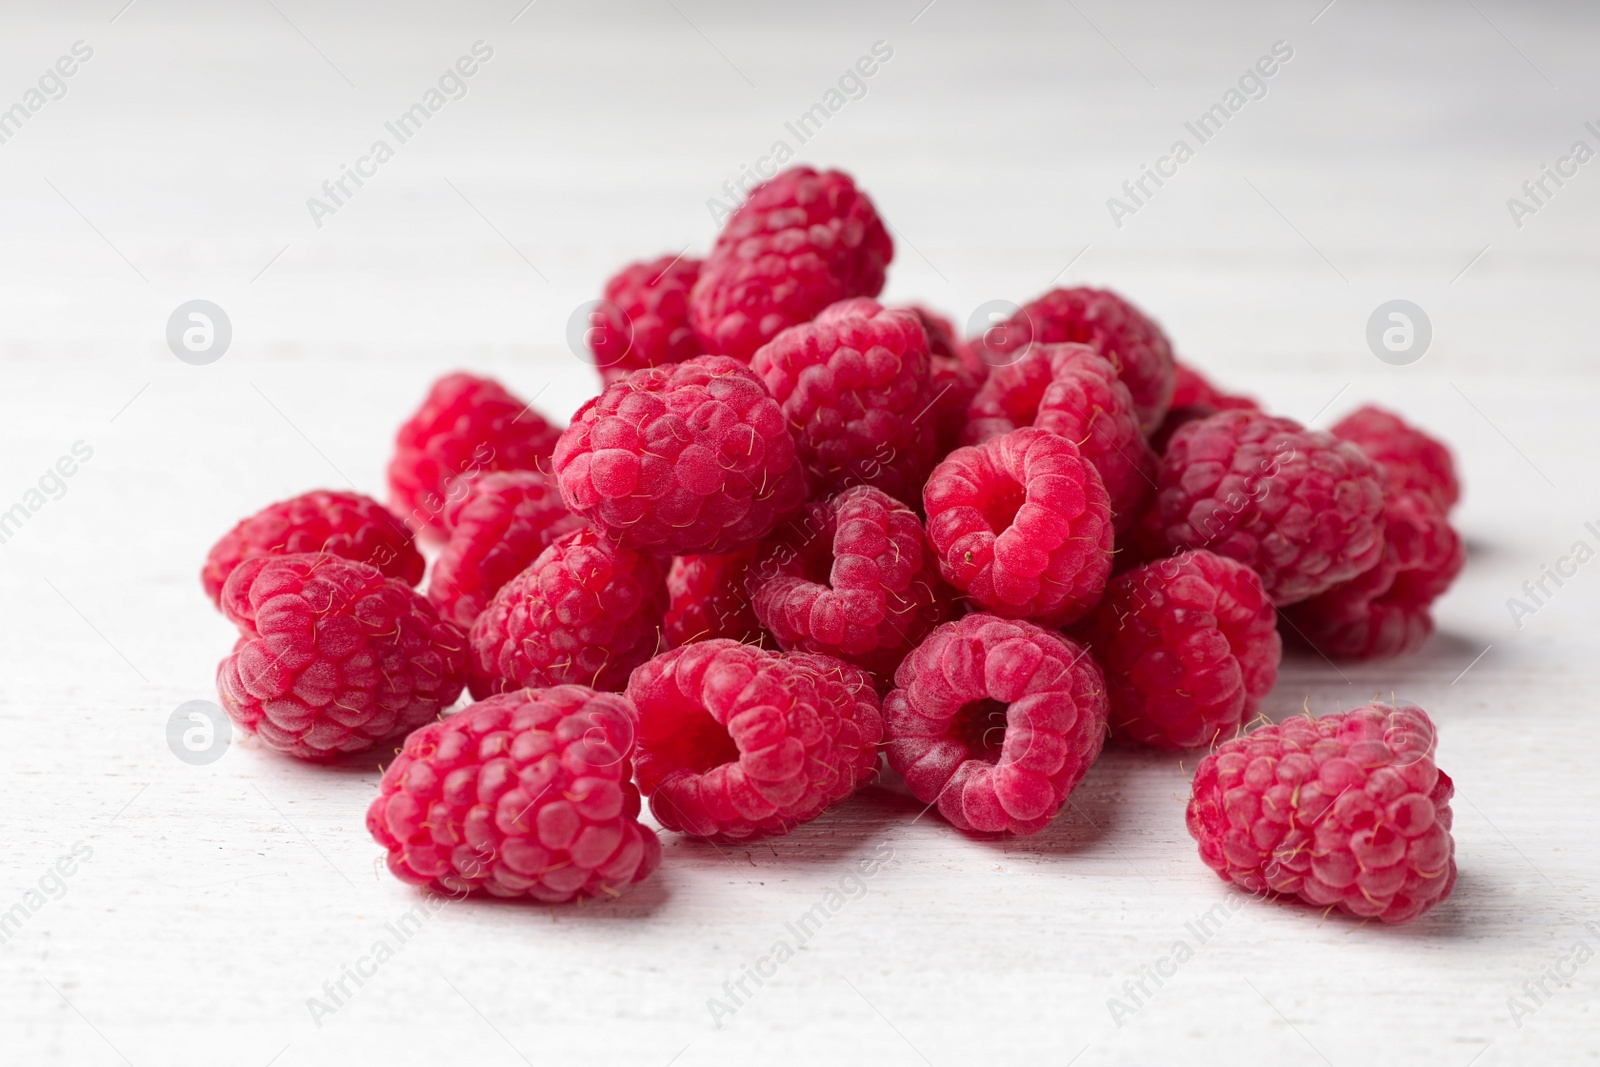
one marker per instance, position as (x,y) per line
(1300,506)
(736,741)
(709,597)
(644,319)
(527,794)
(1022,524)
(332,656)
(996,720)
(466,425)
(1105,322)
(690,458)
(801,241)
(850,578)
(347,525)
(1189,645)
(585,612)
(1195,398)
(1411,460)
(1069,390)
(855,387)
(1347,810)
(1384,611)
(506,519)
(956,374)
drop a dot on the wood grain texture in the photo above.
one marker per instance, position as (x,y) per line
(218,899)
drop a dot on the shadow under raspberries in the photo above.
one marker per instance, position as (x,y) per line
(834,838)
(1097,809)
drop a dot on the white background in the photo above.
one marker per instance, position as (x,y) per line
(219,898)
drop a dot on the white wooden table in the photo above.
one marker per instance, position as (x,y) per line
(217,899)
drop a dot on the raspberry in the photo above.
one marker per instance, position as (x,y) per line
(1411,460)
(527,794)
(584,612)
(736,741)
(465,425)
(1022,524)
(347,525)
(1348,810)
(1189,645)
(1195,398)
(506,519)
(855,387)
(1301,507)
(644,319)
(690,458)
(1068,390)
(801,241)
(1112,327)
(1384,611)
(850,578)
(332,656)
(956,374)
(709,597)
(996,720)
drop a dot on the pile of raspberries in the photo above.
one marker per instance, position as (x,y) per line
(799,535)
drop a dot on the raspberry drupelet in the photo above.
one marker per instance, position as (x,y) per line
(1022,524)
(1189,645)
(644,319)
(1069,390)
(585,612)
(506,519)
(526,794)
(1110,325)
(851,577)
(466,425)
(347,525)
(692,458)
(1300,507)
(333,658)
(801,241)
(737,742)
(1385,611)
(1410,459)
(856,388)
(995,720)
(1346,811)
